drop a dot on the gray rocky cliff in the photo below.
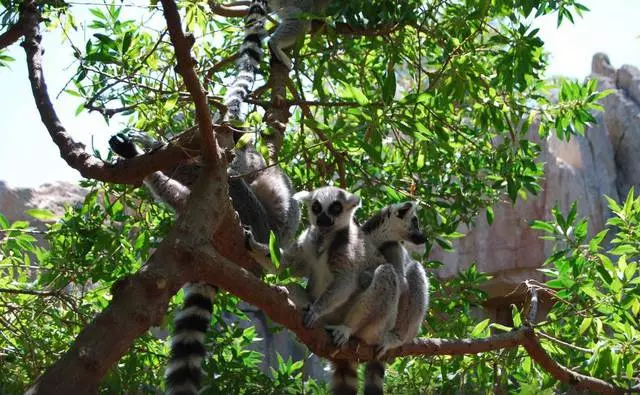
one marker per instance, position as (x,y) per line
(605,161)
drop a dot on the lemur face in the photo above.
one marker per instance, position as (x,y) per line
(405,223)
(330,207)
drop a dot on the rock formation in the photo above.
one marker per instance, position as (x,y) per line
(604,161)
(51,196)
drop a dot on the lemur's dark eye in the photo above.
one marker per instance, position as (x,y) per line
(414,222)
(335,209)
(316,207)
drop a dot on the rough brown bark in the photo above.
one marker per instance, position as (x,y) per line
(17,30)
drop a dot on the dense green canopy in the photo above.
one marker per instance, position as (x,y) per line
(439,101)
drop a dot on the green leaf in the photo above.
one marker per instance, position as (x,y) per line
(624,249)
(274,250)
(596,240)
(126,41)
(515,316)
(542,225)
(41,214)
(4,223)
(389,87)
(480,328)
(501,327)
(586,323)
(489,214)
(357,94)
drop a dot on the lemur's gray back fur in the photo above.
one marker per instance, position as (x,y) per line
(260,207)
(293,25)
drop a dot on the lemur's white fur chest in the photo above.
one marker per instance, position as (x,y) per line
(316,254)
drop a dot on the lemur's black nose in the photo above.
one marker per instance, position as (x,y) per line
(417,238)
(324,220)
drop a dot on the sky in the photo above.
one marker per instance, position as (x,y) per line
(29,158)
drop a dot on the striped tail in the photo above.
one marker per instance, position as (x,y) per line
(184,372)
(345,378)
(249,58)
(374,378)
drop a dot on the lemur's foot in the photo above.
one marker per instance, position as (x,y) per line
(380,350)
(340,334)
(311,317)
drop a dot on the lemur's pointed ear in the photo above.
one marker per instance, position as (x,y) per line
(302,196)
(353,200)
(406,208)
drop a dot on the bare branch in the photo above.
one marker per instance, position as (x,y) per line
(109,112)
(564,374)
(19,29)
(74,153)
(563,343)
(28,292)
(229,10)
(182,46)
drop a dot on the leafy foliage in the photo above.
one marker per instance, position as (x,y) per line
(438,101)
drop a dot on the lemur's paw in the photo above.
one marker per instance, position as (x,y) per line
(282,290)
(364,279)
(340,334)
(380,350)
(122,145)
(310,317)
(249,240)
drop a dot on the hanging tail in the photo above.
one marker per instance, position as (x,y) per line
(184,372)
(249,58)
(345,378)
(374,378)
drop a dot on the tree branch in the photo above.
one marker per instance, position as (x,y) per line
(109,112)
(229,10)
(131,171)
(29,292)
(564,374)
(182,46)
(19,29)
(141,300)
(274,302)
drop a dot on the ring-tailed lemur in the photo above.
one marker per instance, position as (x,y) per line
(263,199)
(249,58)
(385,231)
(294,24)
(333,253)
